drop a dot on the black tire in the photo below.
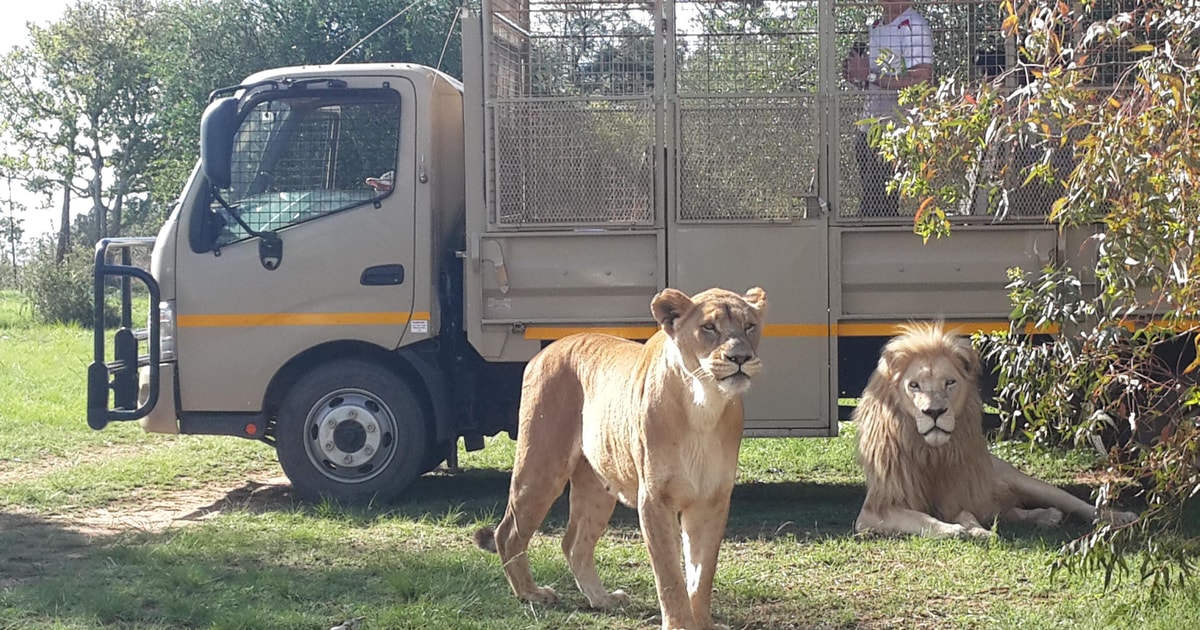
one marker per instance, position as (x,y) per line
(352,432)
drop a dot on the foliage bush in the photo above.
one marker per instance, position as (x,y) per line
(61,292)
(9,275)
(1118,147)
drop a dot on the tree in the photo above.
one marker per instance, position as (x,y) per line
(11,231)
(84,103)
(1101,110)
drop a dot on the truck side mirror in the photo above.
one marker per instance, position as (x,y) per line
(217,128)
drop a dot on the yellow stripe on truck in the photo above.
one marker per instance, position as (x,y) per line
(550,333)
(891,329)
(257,320)
(853,329)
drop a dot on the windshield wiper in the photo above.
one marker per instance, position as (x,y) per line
(270,246)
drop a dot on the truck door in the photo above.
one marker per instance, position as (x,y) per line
(342,269)
(631,149)
(743,199)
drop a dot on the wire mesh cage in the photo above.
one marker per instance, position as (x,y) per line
(747,121)
(612,111)
(969,46)
(571,114)
(570,162)
(958,40)
(746,158)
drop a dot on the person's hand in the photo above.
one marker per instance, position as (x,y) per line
(856,68)
(383,183)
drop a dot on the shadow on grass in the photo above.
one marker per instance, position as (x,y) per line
(227,577)
(275,563)
(759,511)
(31,547)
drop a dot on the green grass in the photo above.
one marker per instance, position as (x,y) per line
(244,555)
(14,311)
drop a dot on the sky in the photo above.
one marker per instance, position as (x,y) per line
(13,33)
(12,27)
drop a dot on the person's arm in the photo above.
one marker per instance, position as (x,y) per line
(914,75)
(856,69)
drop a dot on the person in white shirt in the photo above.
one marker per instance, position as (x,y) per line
(899,54)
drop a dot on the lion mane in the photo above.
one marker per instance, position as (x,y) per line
(902,469)
(921,446)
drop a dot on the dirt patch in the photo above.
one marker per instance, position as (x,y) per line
(35,544)
(145,511)
(24,469)
(177,508)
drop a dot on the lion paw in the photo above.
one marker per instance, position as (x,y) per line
(945,530)
(979,532)
(541,595)
(1048,517)
(615,599)
(1117,518)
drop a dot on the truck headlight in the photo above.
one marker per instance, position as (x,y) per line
(166,330)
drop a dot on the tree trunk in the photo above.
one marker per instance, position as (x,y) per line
(64,225)
(99,210)
(116,215)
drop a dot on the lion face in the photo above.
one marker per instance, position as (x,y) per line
(716,333)
(932,373)
(930,385)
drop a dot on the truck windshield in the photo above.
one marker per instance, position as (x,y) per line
(300,158)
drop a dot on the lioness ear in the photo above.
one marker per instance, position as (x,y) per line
(668,306)
(757,299)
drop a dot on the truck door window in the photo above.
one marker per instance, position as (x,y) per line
(300,158)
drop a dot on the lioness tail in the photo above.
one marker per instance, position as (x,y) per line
(485,539)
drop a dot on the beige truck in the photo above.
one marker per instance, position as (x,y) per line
(366,255)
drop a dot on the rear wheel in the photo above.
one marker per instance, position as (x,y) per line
(351,431)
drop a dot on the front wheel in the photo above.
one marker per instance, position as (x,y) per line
(351,431)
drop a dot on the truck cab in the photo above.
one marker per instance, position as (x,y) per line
(301,269)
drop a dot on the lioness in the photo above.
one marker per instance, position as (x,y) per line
(656,426)
(921,445)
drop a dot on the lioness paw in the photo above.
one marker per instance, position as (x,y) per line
(615,599)
(541,595)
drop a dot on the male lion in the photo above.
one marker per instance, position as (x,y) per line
(921,445)
(656,426)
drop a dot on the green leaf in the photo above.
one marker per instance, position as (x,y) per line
(1057,208)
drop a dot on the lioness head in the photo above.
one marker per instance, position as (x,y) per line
(716,333)
(933,373)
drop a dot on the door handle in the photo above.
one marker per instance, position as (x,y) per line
(382,275)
